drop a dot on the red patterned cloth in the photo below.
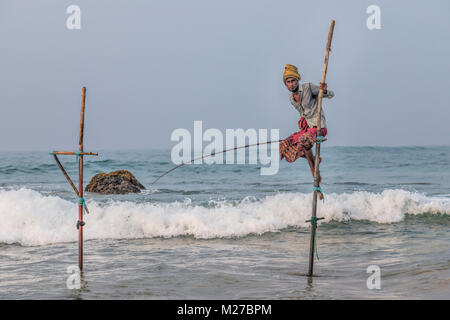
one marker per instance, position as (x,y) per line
(298,143)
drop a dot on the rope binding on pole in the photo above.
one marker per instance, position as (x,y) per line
(319,189)
(83,203)
(314,225)
(78,154)
(320,139)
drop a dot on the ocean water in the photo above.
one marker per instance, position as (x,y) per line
(227,232)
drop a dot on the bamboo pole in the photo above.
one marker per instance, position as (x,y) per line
(80,182)
(80,153)
(316,162)
(75,153)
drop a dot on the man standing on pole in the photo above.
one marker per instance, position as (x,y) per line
(304,99)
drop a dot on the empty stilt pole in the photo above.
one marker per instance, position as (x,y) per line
(81,203)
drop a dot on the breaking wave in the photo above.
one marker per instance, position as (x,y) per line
(31,218)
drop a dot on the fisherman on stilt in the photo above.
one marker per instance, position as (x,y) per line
(304,98)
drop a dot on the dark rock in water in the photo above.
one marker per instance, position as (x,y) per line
(117,182)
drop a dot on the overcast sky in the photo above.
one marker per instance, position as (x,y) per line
(153,66)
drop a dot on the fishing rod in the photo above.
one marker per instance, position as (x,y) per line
(212,154)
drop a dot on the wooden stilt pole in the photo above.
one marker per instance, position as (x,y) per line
(80,183)
(81,203)
(316,162)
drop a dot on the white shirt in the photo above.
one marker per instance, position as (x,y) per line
(308,103)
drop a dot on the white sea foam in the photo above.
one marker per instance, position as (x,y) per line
(31,218)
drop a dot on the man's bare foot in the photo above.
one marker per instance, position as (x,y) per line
(320,195)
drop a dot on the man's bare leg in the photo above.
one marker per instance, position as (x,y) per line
(310,157)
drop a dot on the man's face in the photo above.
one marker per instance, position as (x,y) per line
(291,84)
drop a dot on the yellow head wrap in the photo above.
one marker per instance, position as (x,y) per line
(291,71)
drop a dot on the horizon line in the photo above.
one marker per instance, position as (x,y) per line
(168,148)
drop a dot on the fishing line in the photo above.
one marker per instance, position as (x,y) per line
(212,154)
